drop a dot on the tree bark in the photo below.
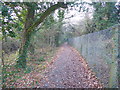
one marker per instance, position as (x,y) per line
(29,28)
(57,39)
(21,63)
(23,51)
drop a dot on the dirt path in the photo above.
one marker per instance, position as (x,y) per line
(69,70)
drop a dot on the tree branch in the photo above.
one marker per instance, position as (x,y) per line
(47,13)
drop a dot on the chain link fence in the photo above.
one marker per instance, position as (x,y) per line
(100,49)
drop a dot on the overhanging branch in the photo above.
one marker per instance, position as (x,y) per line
(47,13)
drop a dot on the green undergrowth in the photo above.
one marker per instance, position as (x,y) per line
(35,63)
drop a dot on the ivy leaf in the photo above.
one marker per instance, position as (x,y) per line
(4,11)
(11,34)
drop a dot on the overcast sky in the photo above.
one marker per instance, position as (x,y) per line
(78,16)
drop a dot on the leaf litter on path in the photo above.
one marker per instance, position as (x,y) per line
(68,69)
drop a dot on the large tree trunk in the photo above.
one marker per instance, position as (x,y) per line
(28,29)
(23,51)
(25,42)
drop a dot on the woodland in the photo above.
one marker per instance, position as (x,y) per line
(35,42)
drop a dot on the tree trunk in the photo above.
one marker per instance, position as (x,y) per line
(57,39)
(26,35)
(29,26)
(21,63)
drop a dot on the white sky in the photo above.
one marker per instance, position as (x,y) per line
(78,16)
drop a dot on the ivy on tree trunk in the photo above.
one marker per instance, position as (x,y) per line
(25,42)
(30,26)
